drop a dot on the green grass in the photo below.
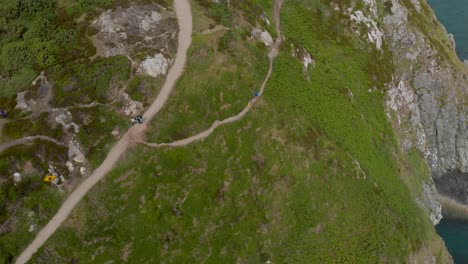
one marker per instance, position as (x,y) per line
(216,84)
(434,31)
(88,81)
(95,131)
(37,36)
(282,184)
(144,88)
(32,194)
(35,126)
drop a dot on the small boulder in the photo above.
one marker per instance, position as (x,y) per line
(262,36)
(154,66)
(16,178)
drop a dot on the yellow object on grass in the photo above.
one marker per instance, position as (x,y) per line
(49,178)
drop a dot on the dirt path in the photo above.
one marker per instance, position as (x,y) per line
(25,140)
(271,56)
(184,17)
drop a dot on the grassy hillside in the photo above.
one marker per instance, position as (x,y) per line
(310,175)
(50,37)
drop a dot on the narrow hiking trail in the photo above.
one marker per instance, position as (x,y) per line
(271,56)
(25,140)
(184,18)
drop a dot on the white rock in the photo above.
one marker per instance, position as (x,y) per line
(82,170)
(115,133)
(150,20)
(130,107)
(428,201)
(154,66)
(262,36)
(417,5)
(265,18)
(307,60)
(74,152)
(155,16)
(374,34)
(16,177)
(65,119)
(266,38)
(145,25)
(372,5)
(21,102)
(451,37)
(70,166)
(32,227)
(107,24)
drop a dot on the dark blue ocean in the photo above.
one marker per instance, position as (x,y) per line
(453,14)
(455,235)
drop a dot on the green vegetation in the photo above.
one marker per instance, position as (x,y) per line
(225,69)
(34,35)
(95,131)
(310,175)
(87,82)
(47,36)
(425,22)
(31,193)
(36,126)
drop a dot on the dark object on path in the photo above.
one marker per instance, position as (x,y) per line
(3,114)
(137,120)
(256,94)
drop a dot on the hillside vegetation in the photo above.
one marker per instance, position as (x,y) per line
(49,39)
(311,175)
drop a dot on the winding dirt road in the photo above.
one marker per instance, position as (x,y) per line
(184,17)
(271,56)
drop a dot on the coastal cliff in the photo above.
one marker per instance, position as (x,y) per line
(428,97)
(340,134)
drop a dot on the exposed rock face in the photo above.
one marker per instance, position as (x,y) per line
(130,107)
(455,185)
(139,28)
(64,117)
(154,66)
(374,34)
(75,153)
(428,97)
(429,202)
(21,102)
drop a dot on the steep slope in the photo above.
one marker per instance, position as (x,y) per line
(184,16)
(428,94)
(66,105)
(314,173)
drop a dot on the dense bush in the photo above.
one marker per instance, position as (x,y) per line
(35,35)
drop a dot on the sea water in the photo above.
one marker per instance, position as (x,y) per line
(455,235)
(453,14)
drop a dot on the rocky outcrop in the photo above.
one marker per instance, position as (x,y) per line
(154,66)
(428,97)
(139,29)
(428,201)
(262,36)
(128,31)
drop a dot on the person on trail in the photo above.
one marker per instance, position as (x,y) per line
(3,114)
(137,120)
